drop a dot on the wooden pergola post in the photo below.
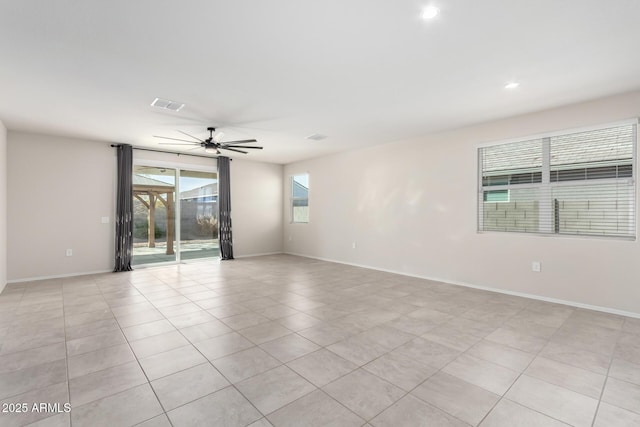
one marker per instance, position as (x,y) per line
(152,220)
(171,226)
(155,194)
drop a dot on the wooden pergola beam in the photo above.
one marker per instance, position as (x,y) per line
(144,202)
(155,192)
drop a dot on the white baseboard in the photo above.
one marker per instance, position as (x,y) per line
(57,276)
(402,273)
(260,254)
(484,288)
(139,267)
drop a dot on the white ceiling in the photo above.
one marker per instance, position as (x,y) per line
(361,71)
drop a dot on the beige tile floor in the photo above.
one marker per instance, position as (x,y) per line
(289,341)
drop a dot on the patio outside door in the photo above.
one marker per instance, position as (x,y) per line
(198,214)
(175,214)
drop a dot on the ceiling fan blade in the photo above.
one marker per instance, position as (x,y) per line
(241,146)
(243,141)
(232,149)
(218,137)
(174,139)
(191,136)
(177,143)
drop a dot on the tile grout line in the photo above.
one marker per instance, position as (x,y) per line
(606,379)
(128,344)
(231,384)
(406,393)
(164,411)
(503,396)
(549,340)
(384,354)
(66,354)
(506,391)
(316,388)
(441,370)
(311,297)
(260,373)
(207,361)
(29,349)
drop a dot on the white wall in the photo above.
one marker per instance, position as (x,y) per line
(3,206)
(411,207)
(59,188)
(256,207)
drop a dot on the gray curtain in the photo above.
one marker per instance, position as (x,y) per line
(224,207)
(124,209)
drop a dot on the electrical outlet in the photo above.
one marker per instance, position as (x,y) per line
(105,220)
(69,252)
(536,266)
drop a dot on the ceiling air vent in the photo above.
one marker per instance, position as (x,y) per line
(166,104)
(316,137)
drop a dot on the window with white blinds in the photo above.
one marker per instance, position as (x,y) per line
(579,183)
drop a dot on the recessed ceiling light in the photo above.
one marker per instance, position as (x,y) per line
(430,12)
(511,85)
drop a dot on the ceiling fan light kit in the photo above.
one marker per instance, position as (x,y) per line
(213,144)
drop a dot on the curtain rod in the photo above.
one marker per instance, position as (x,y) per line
(169,152)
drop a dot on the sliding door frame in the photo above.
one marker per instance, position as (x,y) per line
(178,167)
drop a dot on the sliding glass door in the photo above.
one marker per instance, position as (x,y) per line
(154,213)
(175,214)
(198,214)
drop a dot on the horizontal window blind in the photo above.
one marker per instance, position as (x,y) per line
(579,183)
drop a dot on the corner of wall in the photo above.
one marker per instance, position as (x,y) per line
(3,206)
(256,200)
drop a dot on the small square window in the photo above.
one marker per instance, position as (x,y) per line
(300,198)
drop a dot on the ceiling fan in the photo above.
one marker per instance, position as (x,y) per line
(213,144)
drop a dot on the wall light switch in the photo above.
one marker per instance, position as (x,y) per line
(353,245)
(69,252)
(536,266)
(105,220)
